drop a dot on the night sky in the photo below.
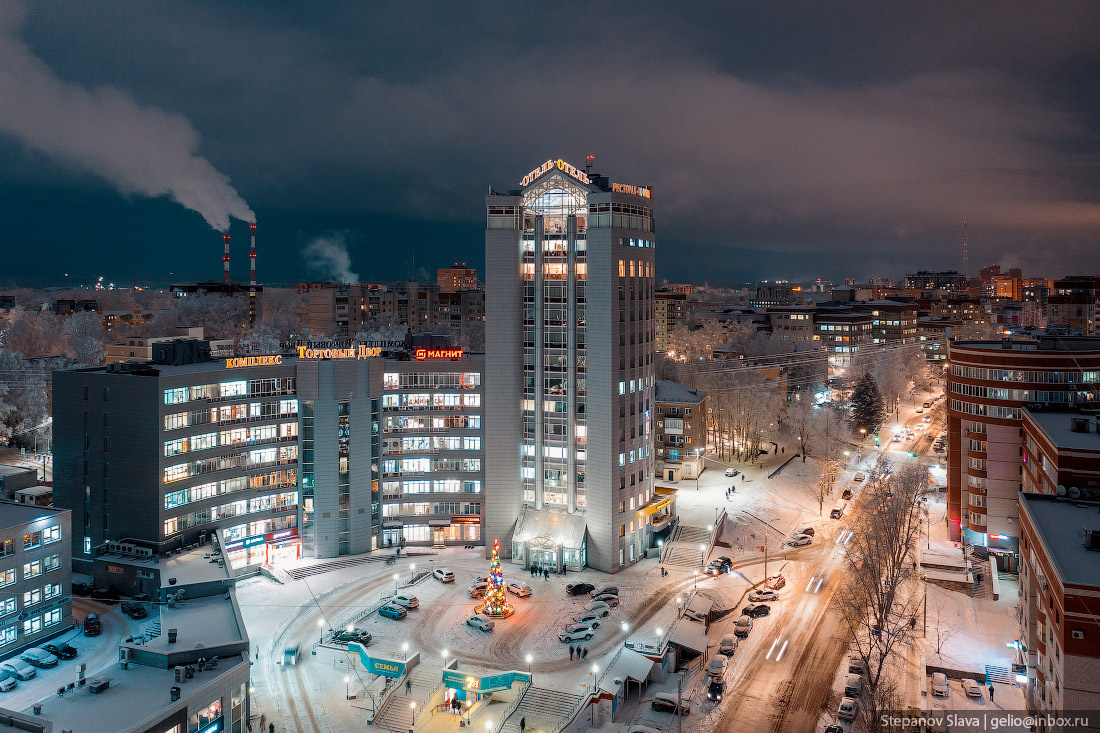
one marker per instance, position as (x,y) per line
(782,140)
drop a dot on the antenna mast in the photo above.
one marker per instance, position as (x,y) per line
(966,251)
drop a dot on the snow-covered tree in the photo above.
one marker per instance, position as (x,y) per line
(868,410)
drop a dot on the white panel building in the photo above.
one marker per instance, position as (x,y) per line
(569,386)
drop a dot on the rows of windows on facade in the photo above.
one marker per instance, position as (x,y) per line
(35,599)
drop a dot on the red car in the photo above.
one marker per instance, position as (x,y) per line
(775,582)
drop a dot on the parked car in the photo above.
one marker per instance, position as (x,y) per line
(972,688)
(853,685)
(480,623)
(39,657)
(7,681)
(608,598)
(719,565)
(834,728)
(717,666)
(742,627)
(349,635)
(406,601)
(920,410)
(579,589)
(588,617)
(19,668)
(926,405)
(605,589)
(575,632)
(756,610)
(763,594)
(939,684)
(728,645)
(800,540)
(855,664)
(598,607)
(860,476)
(135,609)
(83,589)
(477,590)
(92,625)
(715,689)
(519,589)
(775,582)
(443,575)
(61,651)
(107,595)
(846,494)
(666,702)
(641,729)
(847,709)
(393,612)
(731,472)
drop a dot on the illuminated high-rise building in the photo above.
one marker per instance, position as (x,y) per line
(569,385)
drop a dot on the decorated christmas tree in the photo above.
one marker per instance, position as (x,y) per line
(496,602)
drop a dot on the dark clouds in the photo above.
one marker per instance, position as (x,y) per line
(848,139)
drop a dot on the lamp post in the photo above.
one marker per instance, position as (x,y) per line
(412,572)
(702,555)
(679,600)
(405,651)
(445,654)
(395,577)
(529,659)
(625,627)
(412,707)
(695,578)
(321,630)
(347,687)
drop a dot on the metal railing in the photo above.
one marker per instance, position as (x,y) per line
(513,706)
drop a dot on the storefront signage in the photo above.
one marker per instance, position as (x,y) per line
(214,727)
(466,520)
(246,542)
(634,190)
(251,361)
(422,354)
(561,165)
(491,683)
(359,351)
(283,534)
(377,665)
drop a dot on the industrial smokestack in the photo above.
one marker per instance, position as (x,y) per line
(252,256)
(225,259)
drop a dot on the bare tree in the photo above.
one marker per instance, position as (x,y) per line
(879,600)
(885,696)
(941,625)
(85,335)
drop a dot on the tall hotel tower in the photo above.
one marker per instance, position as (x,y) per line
(570,340)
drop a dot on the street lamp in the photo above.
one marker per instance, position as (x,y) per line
(529,659)
(595,669)
(405,651)
(445,654)
(395,577)
(488,725)
(412,707)
(702,555)
(412,572)
(347,687)
(321,629)
(679,600)
(695,576)
(625,626)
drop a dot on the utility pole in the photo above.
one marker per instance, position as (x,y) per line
(679,711)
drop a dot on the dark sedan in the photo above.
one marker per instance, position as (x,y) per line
(756,610)
(61,651)
(720,565)
(579,589)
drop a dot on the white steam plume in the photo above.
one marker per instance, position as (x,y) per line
(141,150)
(327,255)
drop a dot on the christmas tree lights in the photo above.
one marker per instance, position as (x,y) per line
(496,602)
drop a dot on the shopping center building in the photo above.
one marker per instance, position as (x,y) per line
(569,429)
(282,456)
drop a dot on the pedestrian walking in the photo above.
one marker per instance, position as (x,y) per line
(408,686)
(546,573)
(742,478)
(991,693)
(522,725)
(783,450)
(263,721)
(270,728)
(570,652)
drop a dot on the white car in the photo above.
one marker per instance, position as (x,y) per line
(860,476)
(799,540)
(481,624)
(609,598)
(848,709)
(589,617)
(763,594)
(717,666)
(598,607)
(519,589)
(39,657)
(406,601)
(939,684)
(443,575)
(730,473)
(7,681)
(728,645)
(477,590)
(972,688)
(575,632)
(742,627)
(19,668)
(896,438)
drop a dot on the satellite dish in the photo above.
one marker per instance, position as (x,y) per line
(1074,492)
(1061,490)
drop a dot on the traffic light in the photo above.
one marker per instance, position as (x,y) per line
(912,454)
(876,438)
